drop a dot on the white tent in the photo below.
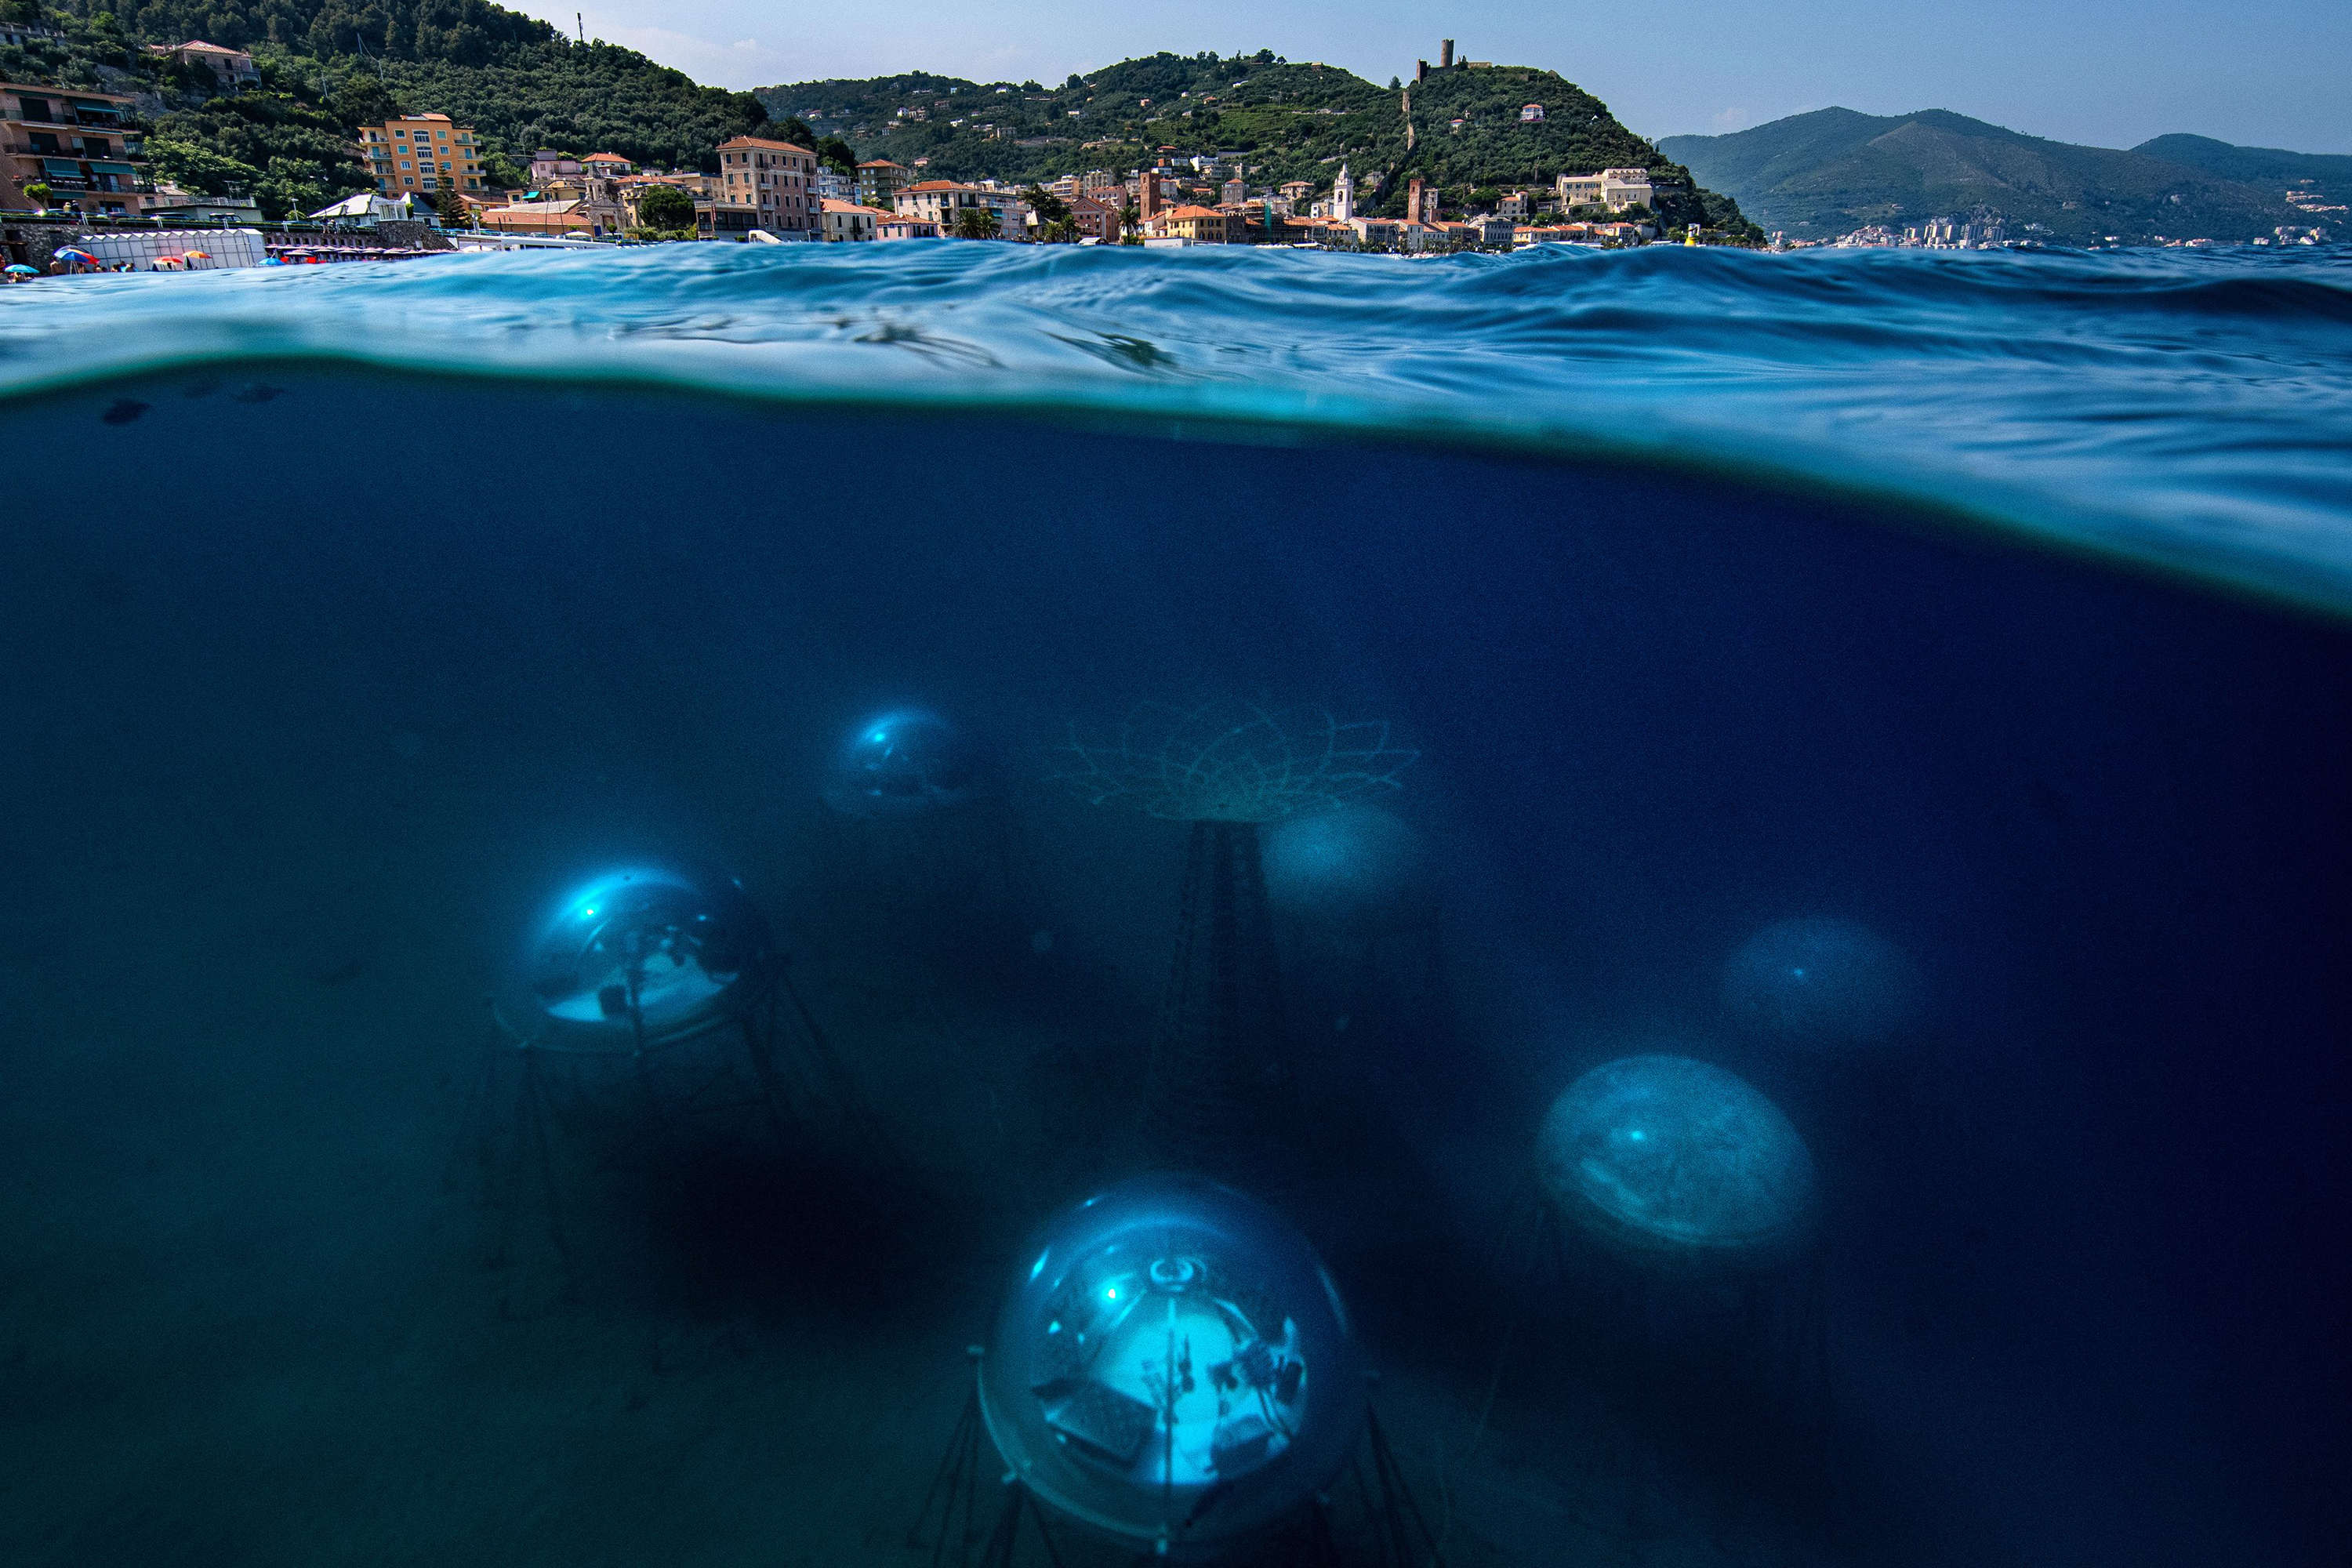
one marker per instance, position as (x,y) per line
(366,206)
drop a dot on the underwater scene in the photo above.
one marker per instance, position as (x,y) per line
(969,905)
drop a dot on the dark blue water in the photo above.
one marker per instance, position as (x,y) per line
(1991,602)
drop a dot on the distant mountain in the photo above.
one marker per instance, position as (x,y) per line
(2321,176)
(1460,130)
(1834,171)
(2232,162)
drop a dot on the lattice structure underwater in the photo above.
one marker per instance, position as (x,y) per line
(1221,1097)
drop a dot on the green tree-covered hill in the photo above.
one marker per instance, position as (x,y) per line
(1459,128)
(330,66)
(1827,172)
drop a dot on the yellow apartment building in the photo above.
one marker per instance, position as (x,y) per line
(422,155)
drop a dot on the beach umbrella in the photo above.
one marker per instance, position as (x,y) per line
(78,257)
(196,255)
(21,270)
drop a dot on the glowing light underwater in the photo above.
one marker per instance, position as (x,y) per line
(1358,866)
(639,955)
(1666,1155)
(1174,1365)
(902,763)
(1822,982)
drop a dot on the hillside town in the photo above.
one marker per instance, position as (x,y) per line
(74,155)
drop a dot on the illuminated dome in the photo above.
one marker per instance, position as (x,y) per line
(1358,866)
(1665,1155)
(1173,1367)
(1824,982)
(902,763)
(638,956)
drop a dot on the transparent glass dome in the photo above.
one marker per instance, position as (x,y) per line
(1822,982)
(1173,1367)
(1356,866)
(1667,1156)
(639,956)
(901,763)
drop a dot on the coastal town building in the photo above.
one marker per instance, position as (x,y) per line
(880,181)
(633,189)
(70,140)
(548,164)
(1342,206)
(848,221)
(228,68)
(1615,189)
(766,186)
(902,226)
(1096,218)
(606,166)
(540,217)
(834,185)
(170,204)
(1194,225)
(944,201)
(422,153)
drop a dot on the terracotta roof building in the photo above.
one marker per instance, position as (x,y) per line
(766,186)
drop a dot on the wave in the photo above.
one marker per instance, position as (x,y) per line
(2185,410)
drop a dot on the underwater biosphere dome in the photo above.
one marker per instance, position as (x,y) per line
(1173,1367)
(907,761)
(1358,866)
(1822,982)
(1665,1156)
(637,956)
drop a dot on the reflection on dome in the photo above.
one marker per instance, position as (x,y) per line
(1823,980)
(639,956)
(901,763)
(1173,1366)
(1667,1155)
(1358,866)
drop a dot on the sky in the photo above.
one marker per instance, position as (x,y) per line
(2110,73)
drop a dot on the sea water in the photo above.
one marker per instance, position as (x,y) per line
(1991,604)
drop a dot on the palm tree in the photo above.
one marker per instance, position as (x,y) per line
(975,223)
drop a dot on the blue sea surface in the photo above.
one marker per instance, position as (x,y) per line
(2186,409)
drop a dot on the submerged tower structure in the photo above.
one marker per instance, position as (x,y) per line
(1219,1095)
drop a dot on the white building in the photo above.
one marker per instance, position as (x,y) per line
(1342,204)
(1615,189)
(943,201)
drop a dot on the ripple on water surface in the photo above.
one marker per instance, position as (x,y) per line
(2188,409)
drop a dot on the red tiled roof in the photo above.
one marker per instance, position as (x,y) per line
(768,145)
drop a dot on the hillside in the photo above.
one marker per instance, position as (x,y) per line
(517,80)
(1289,121)
(2325,176)
(1832,171)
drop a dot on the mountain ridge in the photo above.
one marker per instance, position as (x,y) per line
(1460,128)
(1831,171)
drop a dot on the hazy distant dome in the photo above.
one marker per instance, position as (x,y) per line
(907,760)
(1173,1364)
(1666,1155)
(640,955)
(1357,865)
(1826,981)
